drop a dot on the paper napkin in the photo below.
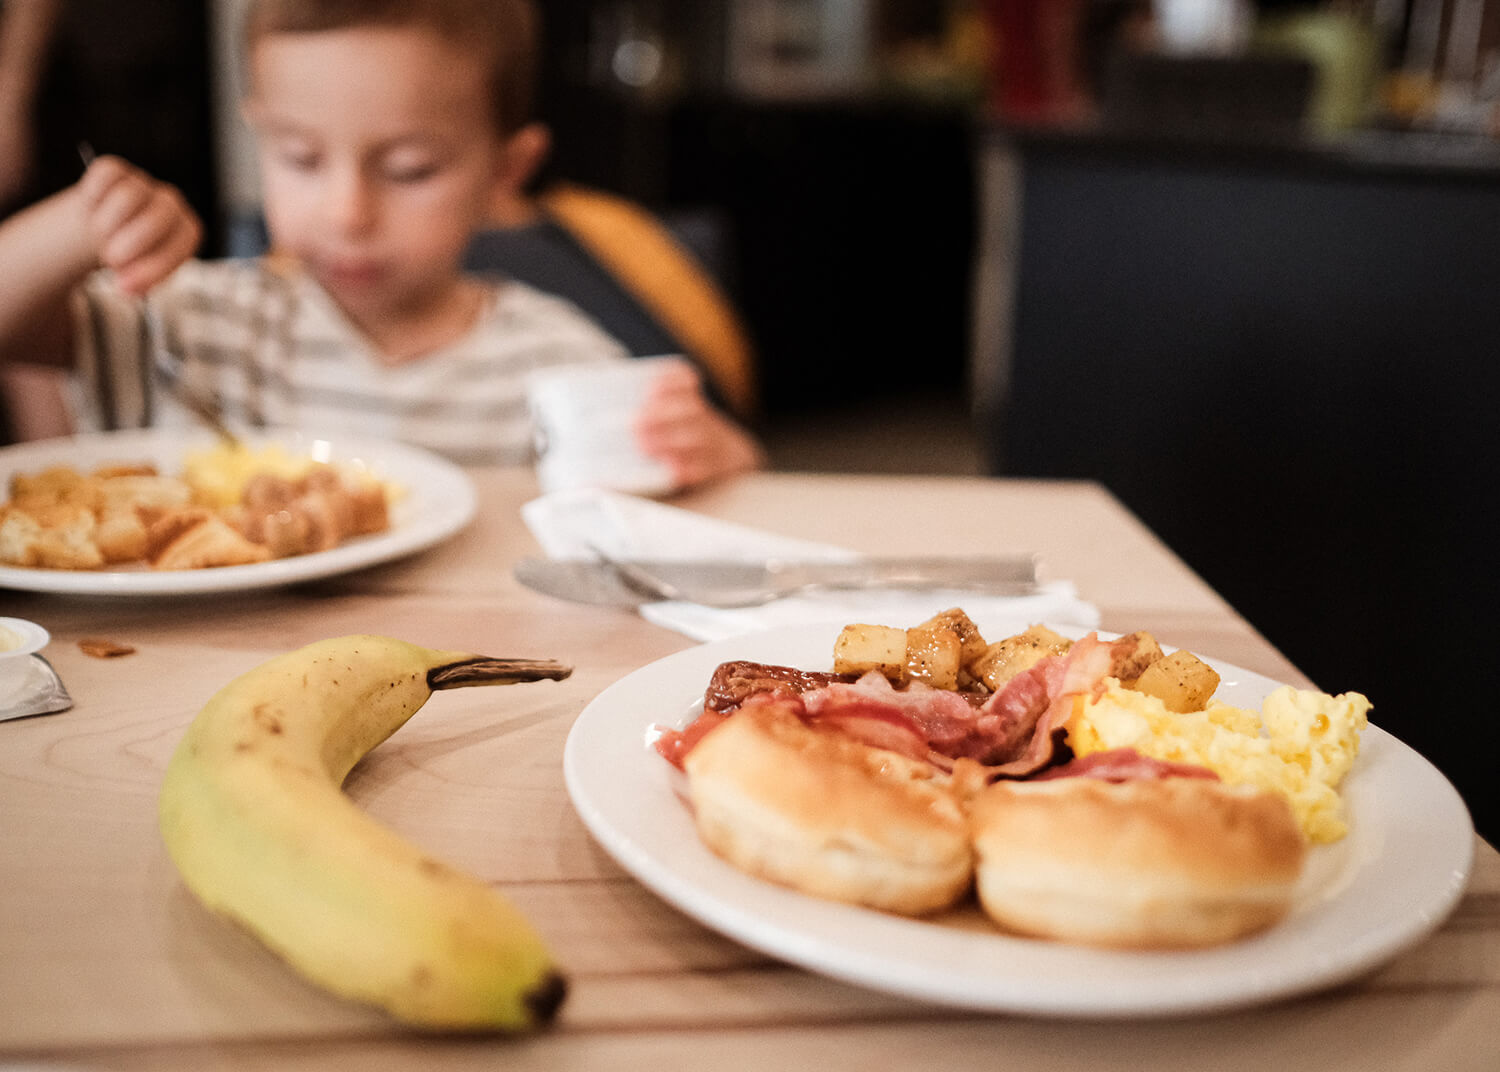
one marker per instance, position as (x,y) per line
(565,523)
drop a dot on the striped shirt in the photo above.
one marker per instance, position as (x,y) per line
(272,349)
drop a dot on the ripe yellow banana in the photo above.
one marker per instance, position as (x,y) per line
(253,816)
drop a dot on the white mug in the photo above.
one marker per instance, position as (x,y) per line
(584,422)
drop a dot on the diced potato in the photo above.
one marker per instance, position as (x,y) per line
(861,648)
(969,636)
(1054,642)
(934,654)
(1006,658)
(1133,653)
(1181,680)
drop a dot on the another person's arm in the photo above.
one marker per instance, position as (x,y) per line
(26,28)
(116,217)
(678,426)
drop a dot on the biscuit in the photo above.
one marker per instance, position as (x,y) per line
(1150,863)
(828,815)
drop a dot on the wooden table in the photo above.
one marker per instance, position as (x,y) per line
(107,962)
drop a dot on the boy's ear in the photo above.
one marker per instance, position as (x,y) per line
(525,152)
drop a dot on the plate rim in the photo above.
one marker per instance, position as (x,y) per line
(455,508)
(1163,983)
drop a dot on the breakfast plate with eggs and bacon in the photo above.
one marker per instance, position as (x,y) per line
(167,512)
(1053,823)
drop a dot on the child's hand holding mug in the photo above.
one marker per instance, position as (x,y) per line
(678,426)
(642,426)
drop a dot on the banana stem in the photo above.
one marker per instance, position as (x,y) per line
(482,670)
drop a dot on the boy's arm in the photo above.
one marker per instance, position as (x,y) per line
(26,29)
(115,217)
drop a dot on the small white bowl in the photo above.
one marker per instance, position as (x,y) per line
(19,640)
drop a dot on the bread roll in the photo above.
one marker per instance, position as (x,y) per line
(828,815)
(1162,863)
(197,539)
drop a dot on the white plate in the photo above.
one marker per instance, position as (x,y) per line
(1391,881)
(437,501)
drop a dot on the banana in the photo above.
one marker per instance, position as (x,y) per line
(254,818)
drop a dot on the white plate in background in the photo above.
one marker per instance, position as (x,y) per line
(1390,882)
(437,500)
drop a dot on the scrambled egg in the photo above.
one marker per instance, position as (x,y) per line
(1301,744)
(218,474)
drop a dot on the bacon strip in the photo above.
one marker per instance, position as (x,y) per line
(674,745)
(944,719)
(854,714)
(1029,713)
(880,725)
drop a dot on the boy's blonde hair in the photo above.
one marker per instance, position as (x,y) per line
(505,30)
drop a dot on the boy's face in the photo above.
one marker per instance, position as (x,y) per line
(378,160)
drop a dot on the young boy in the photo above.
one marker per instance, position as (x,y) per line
(385,133)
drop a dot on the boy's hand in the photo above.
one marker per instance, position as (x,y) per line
(677,425)
(142,229)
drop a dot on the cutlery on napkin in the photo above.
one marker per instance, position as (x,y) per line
(578,526)
(729,582)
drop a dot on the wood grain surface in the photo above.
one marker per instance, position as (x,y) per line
(106,962)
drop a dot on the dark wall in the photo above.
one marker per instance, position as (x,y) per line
(1289,374)
(132,77)
(845,230)
(852,233)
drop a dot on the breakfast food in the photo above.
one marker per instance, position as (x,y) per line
(1105,796)
(253,817)
(198,538)
(1300,745)
(816,809)
(104,648)
(1141,863)
(233,506)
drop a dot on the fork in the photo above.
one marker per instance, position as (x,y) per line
(163,358)
(645,583)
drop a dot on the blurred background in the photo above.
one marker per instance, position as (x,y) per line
(1239,261)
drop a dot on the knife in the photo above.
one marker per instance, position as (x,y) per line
(724,582)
